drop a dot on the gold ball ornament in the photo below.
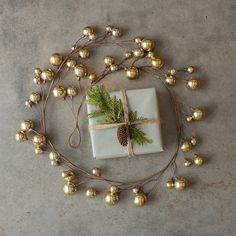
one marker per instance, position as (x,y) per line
(198,114)
(28,103)
(138,40)
(180,183)
(109,28)
(55,162)
(170,80)
(114,189)
(194,141)
(108,60)
(172,72)
(114,67)
(193,84)
(190,69)
(96,171)
(39,140)
(35,97)
(140,199)
(47,74)
(111,198)
(170,184)
(198,160)
(91,192)
(21,136)
(37,80)
(80,71)
(151,55)
(147,44)
(186,146)
(92,36)
(68,175)
(116,32)
(72,91)
(84,53)
(38,150)
(56,59)
(27,125)
(139,52)
(88,30)
(189,119)
(70,188)
(37,71)
(187,163)
(135,190)
(92,76)
(59,92)
(54,156)
(129,54)
(132,73)
(157,63)
(71,63)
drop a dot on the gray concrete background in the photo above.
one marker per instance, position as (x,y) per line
(200,33)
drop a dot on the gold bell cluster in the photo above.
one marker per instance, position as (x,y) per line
(191,83)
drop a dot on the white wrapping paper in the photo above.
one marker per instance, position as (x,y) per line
(104,141)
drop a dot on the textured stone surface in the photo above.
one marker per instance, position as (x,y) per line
(188,32)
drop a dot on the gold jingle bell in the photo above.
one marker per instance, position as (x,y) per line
(198,114)
(67,175)
(84,53)
(35,97)
(194,141)
(132,73)
(111,198)
(108,60)
(80,71)
(87,30)
(71,63)
(140,199)
(39,140)
(56,59)
(38,150)
(21,136)
(147,44)
(180,183)
(96,171)
(157,63)
(47,74)
(59,92)
(116,32)
(186,146)
(70,188)
(193,84)
(91,192)
(27,125)
(139,52)
(187,162)
(92,76)
(170,184)
(170,80)
(198,160)
(72,91)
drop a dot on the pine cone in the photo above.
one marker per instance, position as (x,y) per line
(122,135)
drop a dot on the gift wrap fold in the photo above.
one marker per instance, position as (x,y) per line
(104,141)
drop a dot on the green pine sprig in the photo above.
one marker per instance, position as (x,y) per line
(111,110)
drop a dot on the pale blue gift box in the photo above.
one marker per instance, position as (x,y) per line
(104,141)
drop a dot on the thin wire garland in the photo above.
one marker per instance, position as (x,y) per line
(140,50)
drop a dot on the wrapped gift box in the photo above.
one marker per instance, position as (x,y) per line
(104,141)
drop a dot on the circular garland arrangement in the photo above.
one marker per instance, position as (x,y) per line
(139,57)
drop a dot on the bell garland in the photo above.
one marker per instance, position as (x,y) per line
(138,50)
